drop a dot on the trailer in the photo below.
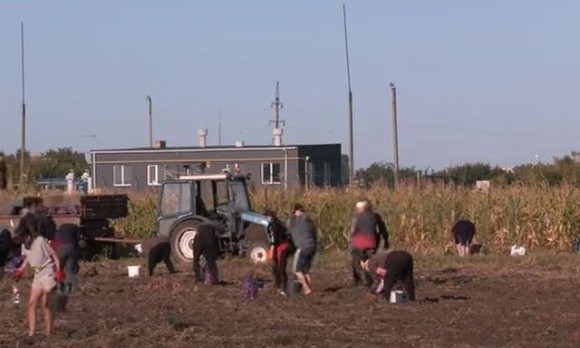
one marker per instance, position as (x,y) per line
(91,213)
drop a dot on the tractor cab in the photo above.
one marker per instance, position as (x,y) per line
(220,199)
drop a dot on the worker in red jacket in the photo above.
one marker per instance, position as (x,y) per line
(365,232)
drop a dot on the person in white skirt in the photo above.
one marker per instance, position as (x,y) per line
(47,272)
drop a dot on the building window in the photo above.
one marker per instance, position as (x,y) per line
(153,177)
(270,173)
(326,171)
(122,175)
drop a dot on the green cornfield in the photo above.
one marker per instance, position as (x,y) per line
(420,219)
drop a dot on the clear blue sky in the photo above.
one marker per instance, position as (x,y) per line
(491,81)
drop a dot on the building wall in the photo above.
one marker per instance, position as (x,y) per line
(146,169)
(324,164)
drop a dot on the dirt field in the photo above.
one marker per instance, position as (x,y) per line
(485,301)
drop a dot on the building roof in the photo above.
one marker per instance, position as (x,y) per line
(206,148)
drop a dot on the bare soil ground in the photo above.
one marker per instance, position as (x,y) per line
(490,301)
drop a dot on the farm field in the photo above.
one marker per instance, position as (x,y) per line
(494,301)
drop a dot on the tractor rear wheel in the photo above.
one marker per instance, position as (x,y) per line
(182,241)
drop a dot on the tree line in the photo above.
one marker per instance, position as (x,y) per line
(562,171)
(54,163)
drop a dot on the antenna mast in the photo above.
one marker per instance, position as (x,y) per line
(277,105)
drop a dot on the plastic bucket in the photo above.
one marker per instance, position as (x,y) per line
(133,271)
(398,296)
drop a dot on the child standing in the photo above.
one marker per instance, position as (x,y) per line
(44,261)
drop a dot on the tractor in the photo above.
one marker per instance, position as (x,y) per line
(219,199)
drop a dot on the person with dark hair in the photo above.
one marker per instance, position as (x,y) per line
(66,242)
(304,235)
(206,244)
(463,232)
(390,268)
(157,249)
(47,272)
(280,246)
(366,231)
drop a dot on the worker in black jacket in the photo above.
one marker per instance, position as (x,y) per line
(66,241)
(206,244)
(463,233)
(390,268)
(281,248)
(157,249)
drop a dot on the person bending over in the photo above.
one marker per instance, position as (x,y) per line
(390,268)
(463,232)
(157,249)
(206,244)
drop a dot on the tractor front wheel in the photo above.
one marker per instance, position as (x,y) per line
(258,252)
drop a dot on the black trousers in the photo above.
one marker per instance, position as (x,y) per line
(399,266)
(69,263)
(279,265)
(358,273)
(160,252)
(206,244)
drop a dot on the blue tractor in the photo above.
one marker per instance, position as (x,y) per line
(220,199)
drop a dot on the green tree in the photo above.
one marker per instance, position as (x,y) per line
(58,163)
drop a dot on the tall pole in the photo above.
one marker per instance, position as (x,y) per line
(350,112)
(23,127)
(395,133)
(220,127)
(150,104)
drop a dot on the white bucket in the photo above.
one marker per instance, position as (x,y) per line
(398,296)
(133,271)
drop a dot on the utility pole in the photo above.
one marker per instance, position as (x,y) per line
(350,112)
(220,127)
(395,132)
(150,104)
(23,126)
